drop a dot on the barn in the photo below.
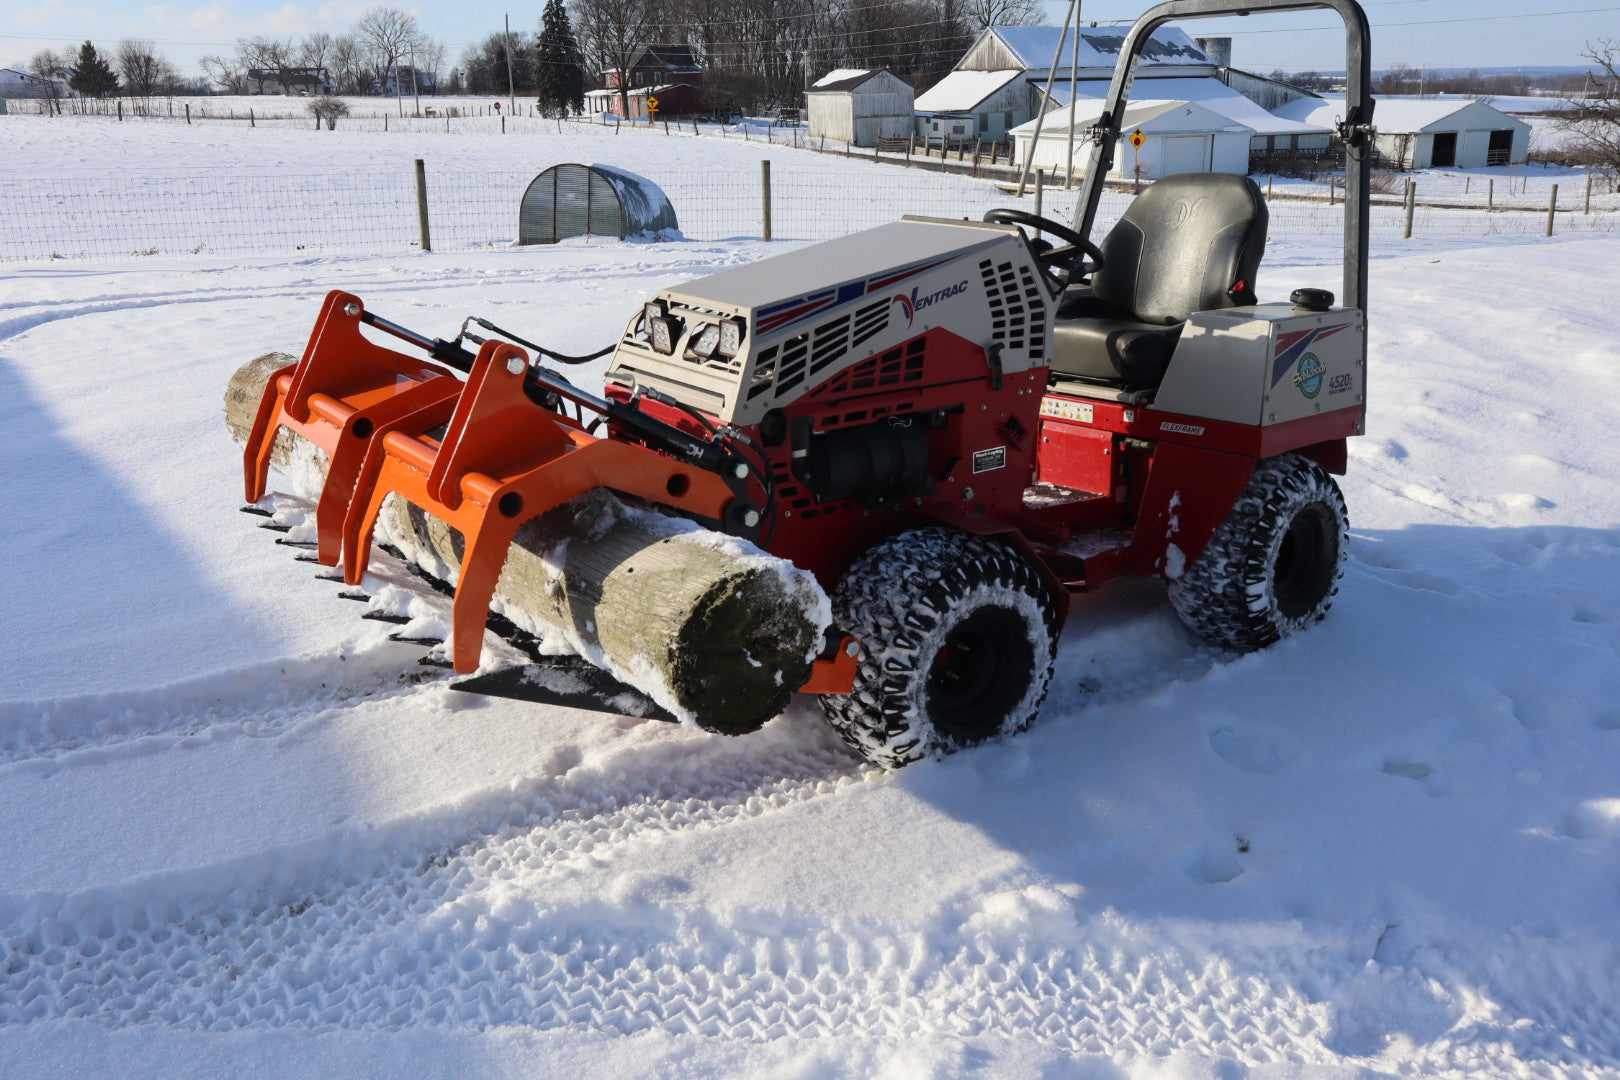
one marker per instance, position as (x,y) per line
(859,106)
(1431,133)
(1177,137)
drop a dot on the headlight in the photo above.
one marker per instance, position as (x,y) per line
(707,340)
(731,334)
(663,331)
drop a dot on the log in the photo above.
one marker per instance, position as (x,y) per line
(707,625)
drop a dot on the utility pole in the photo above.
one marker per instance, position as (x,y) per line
(511,94)
(416,91)
(1074,76)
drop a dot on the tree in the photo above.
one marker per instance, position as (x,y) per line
(47,65)
(389,32)
(1591,122)
(351,65)
(92,77)
(560,77)
(328,109)
(613,32)
(226,73)
(314,49)
(978,14)
(144,72)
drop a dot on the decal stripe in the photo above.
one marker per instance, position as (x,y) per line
(1292,350)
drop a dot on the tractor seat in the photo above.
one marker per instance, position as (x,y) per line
(1191,242)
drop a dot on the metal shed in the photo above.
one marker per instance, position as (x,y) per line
(595,200)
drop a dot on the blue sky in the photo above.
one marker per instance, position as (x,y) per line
(1437,33)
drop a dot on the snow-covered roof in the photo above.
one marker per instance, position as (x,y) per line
(1390,115)
(960,91)
(1085,112)
(838,75)
(1205,90)
(1033,46)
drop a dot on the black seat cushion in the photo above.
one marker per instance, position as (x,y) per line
(1090,340)
(1191,242)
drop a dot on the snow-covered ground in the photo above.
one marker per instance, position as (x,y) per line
(246,835)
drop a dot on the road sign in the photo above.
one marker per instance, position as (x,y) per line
(652,104)
(1137,138)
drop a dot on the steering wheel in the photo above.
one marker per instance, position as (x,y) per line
(1064,263)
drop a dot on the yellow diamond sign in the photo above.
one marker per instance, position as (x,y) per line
(1137,138)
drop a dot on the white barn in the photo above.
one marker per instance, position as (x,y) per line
(1431,133)
(1178,137)
(1270,131)
(860,106)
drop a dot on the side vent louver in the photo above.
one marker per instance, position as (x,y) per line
(871,321)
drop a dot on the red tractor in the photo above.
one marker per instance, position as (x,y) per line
(956,426)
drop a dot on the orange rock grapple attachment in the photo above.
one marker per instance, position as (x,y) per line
(506,452)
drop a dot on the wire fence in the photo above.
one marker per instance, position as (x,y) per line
(236,211)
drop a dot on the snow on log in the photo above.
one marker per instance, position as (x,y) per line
(713,629)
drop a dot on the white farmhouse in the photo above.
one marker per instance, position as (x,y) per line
(860,106)
(20,84)
(1431,133)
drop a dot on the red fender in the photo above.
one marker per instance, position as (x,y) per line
(1189,493)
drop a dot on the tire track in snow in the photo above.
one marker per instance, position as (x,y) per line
(478,930)
(256,702)
(38,313)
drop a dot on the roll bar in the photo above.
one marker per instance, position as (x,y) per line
(1356,131)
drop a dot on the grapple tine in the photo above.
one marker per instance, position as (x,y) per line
(337,396)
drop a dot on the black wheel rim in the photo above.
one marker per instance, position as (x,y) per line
(1305,561)
(983,669)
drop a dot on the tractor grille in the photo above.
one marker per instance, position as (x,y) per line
(1017,307)
(900,365)
(871,321)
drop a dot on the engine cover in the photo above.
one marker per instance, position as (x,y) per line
(802,318)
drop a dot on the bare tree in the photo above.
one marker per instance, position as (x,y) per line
(314,49)
(47,65)
(144,72)
(1591,122)
(430,58)
(612,32)
(351,64)
(390,32)
(978,14)
(226,73)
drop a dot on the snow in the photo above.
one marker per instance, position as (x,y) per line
(1390,114)
(1035,46)
(961,91)
(246,835)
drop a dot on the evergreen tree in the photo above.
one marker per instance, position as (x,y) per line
(92,77)
(561,77)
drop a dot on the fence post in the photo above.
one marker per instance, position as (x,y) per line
(503,123)
(251,121)
(765,195)
(385,121)
(1040,182)
(1268,187)
(874,151)
(1490,194)
(1333,191)
(1466,181)
(188,112)
(120,112)
(421,205)
(1411,201)
(1552,208)
(1587,208)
